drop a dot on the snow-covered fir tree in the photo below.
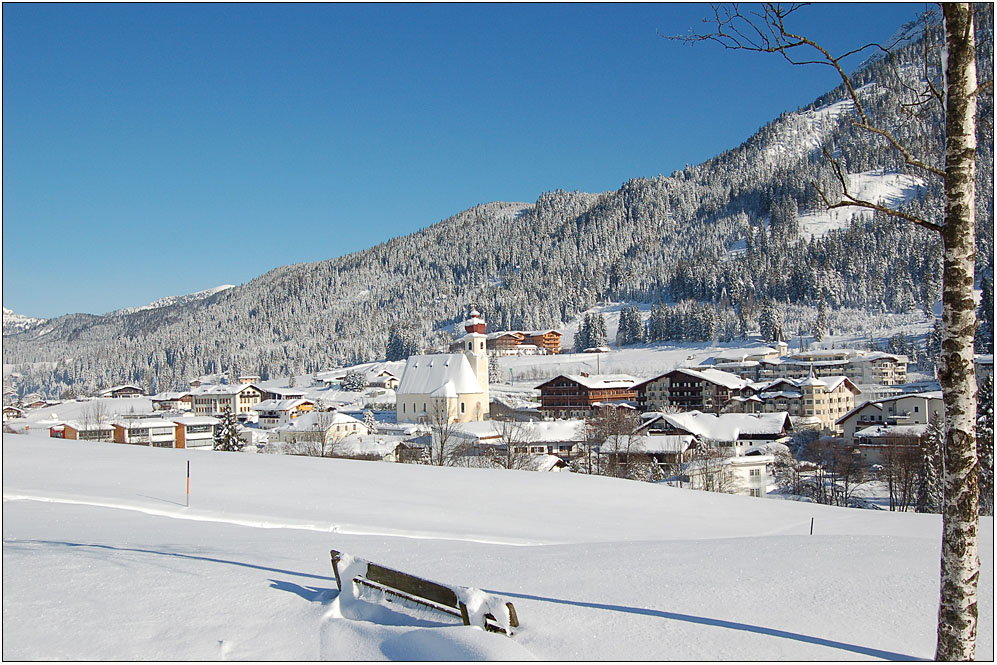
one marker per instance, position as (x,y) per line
(226,433)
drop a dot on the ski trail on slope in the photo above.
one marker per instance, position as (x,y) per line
(347,530)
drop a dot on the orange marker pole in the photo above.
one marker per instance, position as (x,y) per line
(188,484)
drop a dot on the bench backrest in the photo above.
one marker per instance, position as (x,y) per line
(486,610)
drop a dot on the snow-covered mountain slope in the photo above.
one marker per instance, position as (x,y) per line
(102,560)
(14,322)
(883,188)
(173,300)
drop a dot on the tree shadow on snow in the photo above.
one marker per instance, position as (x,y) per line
(310,593)
(721,623)
(177,555)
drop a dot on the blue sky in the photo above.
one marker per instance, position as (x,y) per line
(159,149)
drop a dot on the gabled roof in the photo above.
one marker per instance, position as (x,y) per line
(308,421)
(143,422)
(725,426)
(711,374)
(597,381)
(441,374)
(114,389)
(223,389)
(933,394)
(280,404)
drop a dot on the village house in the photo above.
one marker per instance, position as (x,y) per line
(12,413)
(274,412)
(326,427)
(878,443)
(561,438)
(812,402)
(700,389)
(127,391)
(282,393)
(195,431)
(451,387)
(155,432)
(902,410)
(861,367)
(575,395)
(78,431)
(721,452)
(211,400)
(521,343)
(172,401)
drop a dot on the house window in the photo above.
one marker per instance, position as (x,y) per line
(462,407)
(756,492)
(755,472)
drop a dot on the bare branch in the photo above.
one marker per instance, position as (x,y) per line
(850,200)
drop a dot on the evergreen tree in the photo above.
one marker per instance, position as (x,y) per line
(354,381)
(769,323)
(983,342)
(583,337)
(820,325)
(597,334)
(370,421)
(929,488)
(494,370)
(226,434)
(985,444)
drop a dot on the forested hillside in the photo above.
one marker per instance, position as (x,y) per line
(745,228)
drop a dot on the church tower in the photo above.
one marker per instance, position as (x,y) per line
(475,348)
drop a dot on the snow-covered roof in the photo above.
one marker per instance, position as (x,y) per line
(280,404)
(221,389)
(665,443)
(736,355)
(530,432)
(599,381)
(711,374)
(310,420)
(114,389)
(439,375)
(725,426)
(169,396)
(143,422)
(196,420)
(891,430)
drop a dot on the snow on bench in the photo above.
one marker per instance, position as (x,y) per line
(473,606)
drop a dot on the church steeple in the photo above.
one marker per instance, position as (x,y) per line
(474,323)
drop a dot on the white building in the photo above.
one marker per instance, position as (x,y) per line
(211,400)
(450,386)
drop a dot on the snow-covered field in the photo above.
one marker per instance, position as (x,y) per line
(102,560)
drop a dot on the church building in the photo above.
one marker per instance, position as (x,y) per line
(450,386)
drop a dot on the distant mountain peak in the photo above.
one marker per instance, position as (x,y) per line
(14,322)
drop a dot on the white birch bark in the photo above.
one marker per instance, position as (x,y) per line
(960,563)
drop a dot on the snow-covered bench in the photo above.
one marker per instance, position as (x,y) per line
(472,606)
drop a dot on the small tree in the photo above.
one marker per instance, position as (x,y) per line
(514,438)
(985,444)
(930,497)
(353,382)
(494,370)
(369,421)
(226,434)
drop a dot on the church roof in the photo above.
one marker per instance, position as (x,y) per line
(439,375)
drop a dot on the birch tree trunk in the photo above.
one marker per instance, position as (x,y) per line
(960,562)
